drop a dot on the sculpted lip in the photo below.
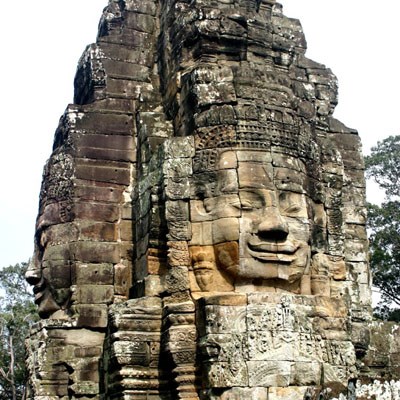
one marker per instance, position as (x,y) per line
(38,291)
(272,251)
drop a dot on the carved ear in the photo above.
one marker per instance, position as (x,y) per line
(199,212)
(208,205)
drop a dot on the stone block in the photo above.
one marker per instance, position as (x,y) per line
(76,338)
(109,142)
(130,353)
(59,350)
(177,211)
(306,374)
(177,188)
(61,233)
(227,299)
(225,206)
(181,337)
(198,212)
(140,22)
(176,279)
(50,390)
(178,254)
(290,180)
(354,231)
(122,279)
(106,123)
(153,285)
(223,375)
(98,191)
(356,250)
(126,231)
(353,177)
(106,155)
(179,230)
(95,252)
(148,7)
(128,88)
(110,104)
(203,183)
(225,230)
(178,168)
(85,388)
(140,270)
(93,294)
(201,233)
(287,393)
(126,70)
(107,171)
(58,272)
(227,182)
(180,147)
(359,272)
(142,245)
(269,373)
(88,352)
(156,263)
(90,316)
(126,212)
(335,373)
(226,319)
(91,375)
(60,252)
(214,93)
(99,231)
(53,214)
(100,212)
(126,249)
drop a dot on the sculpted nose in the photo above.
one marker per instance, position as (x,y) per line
(33,274)
(273,226)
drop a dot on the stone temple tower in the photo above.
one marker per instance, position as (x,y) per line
(201,229)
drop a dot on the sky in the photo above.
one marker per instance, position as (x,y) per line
(42,41)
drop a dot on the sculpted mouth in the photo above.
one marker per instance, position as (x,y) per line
(273,251)
(38,291)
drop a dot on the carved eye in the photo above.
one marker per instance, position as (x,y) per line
(247,205)
(236,204)
(293,209)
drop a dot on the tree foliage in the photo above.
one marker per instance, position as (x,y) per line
(384,225)
(383,165)
(17,312)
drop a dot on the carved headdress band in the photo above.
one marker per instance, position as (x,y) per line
(293,140)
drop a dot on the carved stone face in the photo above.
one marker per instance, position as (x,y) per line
(50,270)
(51,295)
(259,223)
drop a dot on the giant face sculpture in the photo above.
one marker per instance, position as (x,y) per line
(50,269)
(49,299)
(260,228)
(251,232)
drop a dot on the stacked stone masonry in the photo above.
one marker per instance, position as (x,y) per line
(201,228)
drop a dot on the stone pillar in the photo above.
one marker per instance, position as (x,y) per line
(64,361)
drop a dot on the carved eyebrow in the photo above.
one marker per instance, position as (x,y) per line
(255,178)
(254,184)
(292,207)
(291,202)
(252,194)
